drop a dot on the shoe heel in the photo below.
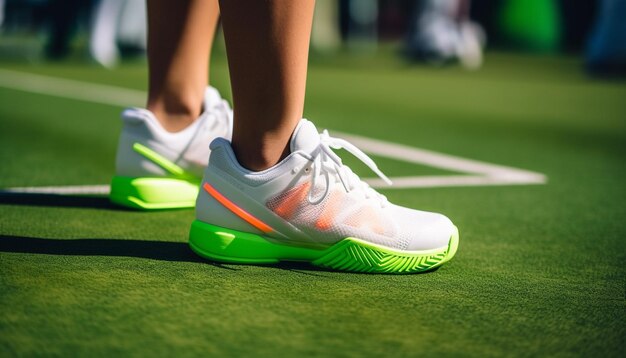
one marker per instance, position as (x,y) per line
(226,245)
(153,193)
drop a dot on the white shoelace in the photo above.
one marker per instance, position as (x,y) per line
(325,161)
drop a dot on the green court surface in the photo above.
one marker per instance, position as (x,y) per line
(540,269)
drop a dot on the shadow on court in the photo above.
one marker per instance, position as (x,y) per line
(57,200)
(155,250)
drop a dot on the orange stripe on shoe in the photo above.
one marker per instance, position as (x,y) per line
(327,217)
(287,204)
(237,210)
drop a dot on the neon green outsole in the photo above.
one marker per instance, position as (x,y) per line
(154,193)
(350,254)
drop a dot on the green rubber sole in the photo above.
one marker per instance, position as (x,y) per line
(350,254)
(154,193)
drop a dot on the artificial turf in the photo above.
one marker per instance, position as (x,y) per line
(540,269)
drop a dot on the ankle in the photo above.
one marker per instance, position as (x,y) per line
(175,113)
(173,122)
(259,157)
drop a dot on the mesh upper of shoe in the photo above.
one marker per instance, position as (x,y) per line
(346,208)
(340,215)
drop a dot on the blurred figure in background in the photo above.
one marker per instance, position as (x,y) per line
(1,12)
(64,18)
(606,51)
(112,25)
(441,32)
(360,30)
(117,24)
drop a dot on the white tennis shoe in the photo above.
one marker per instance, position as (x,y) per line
(311,207)
(156,169)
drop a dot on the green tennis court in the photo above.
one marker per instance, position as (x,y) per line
(540,268)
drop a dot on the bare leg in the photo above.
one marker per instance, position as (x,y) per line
(267,43)
(180,35)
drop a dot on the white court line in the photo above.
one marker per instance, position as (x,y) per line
(76,90)
(61,190)
(478,173)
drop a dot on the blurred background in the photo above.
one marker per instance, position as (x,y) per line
(432,32)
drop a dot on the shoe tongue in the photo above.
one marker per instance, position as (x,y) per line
(305,137)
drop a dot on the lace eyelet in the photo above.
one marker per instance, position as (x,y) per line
(307,169)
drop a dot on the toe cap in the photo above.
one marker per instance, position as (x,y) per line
(433,231)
